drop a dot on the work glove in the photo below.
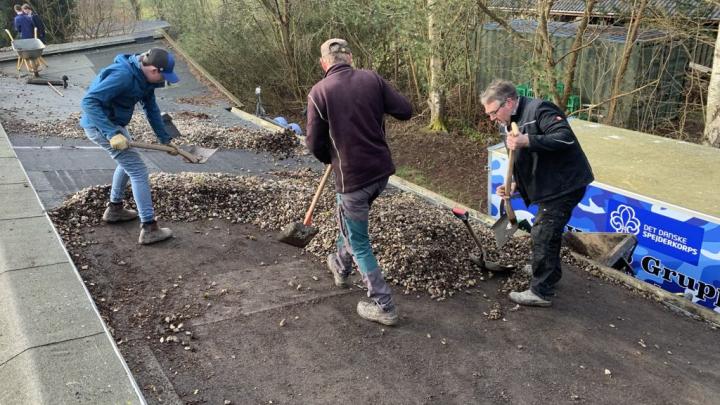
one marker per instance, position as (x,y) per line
(119,142)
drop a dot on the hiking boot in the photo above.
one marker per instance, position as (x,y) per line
(340,279)
(529,298)
(372,312)
(152,233)
(115,212)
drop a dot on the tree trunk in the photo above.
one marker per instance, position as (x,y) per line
(712,120)
(635,19)
(569,74)
(436,99)
(546,47)
(281,12)
(137,9)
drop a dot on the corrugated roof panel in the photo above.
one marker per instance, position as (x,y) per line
(689,8)
(568,29)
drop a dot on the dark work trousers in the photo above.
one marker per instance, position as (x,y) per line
(353,243)
(546,235)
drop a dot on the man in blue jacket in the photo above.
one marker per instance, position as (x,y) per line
(107,108)
(550,169)
(345,128)
(37,22)
(23,24)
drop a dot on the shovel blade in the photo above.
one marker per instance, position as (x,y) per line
(202,154)
(297,234)
(492,267)
(504,230)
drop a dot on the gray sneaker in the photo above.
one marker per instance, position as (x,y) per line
(529,298)
(372,312)
(152,233)
(117,213)
(340,279)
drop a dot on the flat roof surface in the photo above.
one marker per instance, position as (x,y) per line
(676,172)
(265,338)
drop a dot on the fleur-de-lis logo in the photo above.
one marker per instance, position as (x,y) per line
(623,220)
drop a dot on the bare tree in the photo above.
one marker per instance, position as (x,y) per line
(436,99)
(577,46)
(281,11)
(638,10)
(137,8)
(102,18)
(712,120)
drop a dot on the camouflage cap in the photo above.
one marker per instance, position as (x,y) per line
(334,45)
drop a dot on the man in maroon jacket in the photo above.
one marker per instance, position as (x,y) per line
(345,128)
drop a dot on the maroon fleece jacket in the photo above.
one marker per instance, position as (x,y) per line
(345,125)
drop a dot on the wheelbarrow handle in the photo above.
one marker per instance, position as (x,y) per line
(165,148)
(10,35)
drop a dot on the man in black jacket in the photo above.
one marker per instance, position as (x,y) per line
(345,128)
(550,170)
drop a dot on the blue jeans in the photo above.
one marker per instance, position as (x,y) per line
(130,167)
(353,243)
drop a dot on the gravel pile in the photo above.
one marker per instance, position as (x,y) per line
(196,129)
(420,247)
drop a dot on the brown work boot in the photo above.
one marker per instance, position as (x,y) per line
(372,312)
(152,233)
(115,212)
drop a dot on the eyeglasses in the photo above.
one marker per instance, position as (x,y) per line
(492,113)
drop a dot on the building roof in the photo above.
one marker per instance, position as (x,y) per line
(702,9)
(568,29)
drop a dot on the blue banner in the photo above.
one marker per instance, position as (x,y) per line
(658,232)
(678,250)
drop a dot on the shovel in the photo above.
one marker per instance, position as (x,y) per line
(300,233)
(486,265)
(506,226)
(191,153)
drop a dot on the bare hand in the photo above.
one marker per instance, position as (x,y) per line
(515,142)
(500,191)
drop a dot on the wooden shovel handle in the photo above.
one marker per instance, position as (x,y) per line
(165,148)
(308,216)
(514,131)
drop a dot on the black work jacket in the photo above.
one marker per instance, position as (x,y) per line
(553,164)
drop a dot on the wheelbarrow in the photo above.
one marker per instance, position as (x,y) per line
(607,248)
(29,52)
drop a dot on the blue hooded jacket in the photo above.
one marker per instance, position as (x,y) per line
(24,26)
(110,101)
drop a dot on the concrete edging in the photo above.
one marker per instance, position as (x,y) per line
(54,346)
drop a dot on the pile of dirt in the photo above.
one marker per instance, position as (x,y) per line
(451,164)
(196,129)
